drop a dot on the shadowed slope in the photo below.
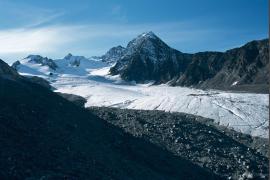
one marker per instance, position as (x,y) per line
(43,135)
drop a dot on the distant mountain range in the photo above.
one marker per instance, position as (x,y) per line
(148,58)
(108,80)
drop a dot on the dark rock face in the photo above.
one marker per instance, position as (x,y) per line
(78,100)
(16,64)
(247,65)
(7,72)
(40,81)
(44,61)
(223,151)
(202,66)
(148,58)
(113,54)
(44,136)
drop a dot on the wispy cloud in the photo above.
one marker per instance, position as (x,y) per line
(27,27)
(42,20)
(30,39)
(25,15)
(118,13)
(90,39)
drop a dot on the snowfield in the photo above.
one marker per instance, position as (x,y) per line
(244,112)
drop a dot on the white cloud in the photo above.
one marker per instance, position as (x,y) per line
(22,14)
(27,40)
(37,30)
(92,39)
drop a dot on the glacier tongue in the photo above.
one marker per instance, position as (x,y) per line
(244,112)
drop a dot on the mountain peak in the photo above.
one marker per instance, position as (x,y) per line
(7,71)
(44,61)
(119,47)
(74,60)
(148,34)
(68,56)
(113,54)
(148,42)
(32,57)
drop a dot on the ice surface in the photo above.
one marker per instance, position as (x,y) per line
(244,112)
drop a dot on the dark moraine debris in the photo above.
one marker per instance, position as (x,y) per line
(40,81)
(78,100)
(225,152)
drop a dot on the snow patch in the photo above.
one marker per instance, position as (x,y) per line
(235,83)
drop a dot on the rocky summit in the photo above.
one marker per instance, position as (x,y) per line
(147,58)
(113,54)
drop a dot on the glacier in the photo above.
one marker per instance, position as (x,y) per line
(243,112)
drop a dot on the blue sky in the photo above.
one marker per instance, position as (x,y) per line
(54,28)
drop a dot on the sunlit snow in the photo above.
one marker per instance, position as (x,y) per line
(244,112)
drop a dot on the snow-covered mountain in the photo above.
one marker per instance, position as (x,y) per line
(36,65)
(147,57)
(36,59)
